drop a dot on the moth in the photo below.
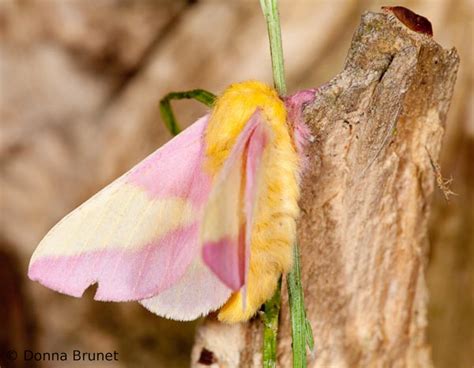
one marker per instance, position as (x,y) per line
(207,222)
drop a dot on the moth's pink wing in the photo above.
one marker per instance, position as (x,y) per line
(139,236)
(228,217)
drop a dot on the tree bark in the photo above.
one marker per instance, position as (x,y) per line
(365,203)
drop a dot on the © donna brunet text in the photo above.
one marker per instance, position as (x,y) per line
(74,355)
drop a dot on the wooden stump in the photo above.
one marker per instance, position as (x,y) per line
(378,127)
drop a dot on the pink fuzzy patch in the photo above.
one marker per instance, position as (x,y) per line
(295,105)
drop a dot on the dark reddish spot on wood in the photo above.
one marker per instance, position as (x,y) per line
(207,357)
(412,20)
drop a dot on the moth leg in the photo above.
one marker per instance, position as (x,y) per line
(201,95)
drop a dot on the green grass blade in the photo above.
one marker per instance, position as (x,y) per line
(270,328)
(301,331)
(309,334)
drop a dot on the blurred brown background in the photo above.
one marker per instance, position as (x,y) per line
(80,82)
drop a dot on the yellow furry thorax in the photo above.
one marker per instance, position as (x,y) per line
(232,111)
(274,229)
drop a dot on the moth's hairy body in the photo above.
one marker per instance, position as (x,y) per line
(201,222)
(276,210)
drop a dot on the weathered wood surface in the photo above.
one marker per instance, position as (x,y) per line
(366,198)
(79,85)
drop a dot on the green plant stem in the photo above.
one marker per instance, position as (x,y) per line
(166,111)
(301,331)
(270,11)
(270,330)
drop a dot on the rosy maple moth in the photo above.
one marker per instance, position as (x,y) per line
(207,222)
